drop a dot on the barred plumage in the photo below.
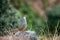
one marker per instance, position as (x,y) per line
(23,24)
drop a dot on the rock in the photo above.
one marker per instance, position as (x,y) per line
(27,35)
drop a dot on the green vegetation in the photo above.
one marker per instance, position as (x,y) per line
(9,17)
(34,20)
(54,18)
(12,12)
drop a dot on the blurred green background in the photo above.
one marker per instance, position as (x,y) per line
(13,10)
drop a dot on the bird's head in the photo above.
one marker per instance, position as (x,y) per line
(24,17)
(23,20)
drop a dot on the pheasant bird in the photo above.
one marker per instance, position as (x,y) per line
(23,25)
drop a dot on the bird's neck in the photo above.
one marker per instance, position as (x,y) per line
(24,19)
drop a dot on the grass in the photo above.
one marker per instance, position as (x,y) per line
(48,38)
